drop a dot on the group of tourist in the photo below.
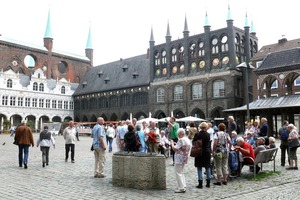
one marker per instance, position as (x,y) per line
(130,137)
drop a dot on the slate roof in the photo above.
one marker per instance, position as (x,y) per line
(269,103)
(111,76)
(282,44)
(280,61)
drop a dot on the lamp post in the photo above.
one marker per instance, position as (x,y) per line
(245,66)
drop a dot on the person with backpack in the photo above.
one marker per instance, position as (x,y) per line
(44,141)
(284,145)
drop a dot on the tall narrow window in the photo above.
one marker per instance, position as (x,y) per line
(53,103)
(34,102)
(47,103)
(9,83)
(197,91)
(59,106)
(178,93)
(160,95)
(4,100)
(35,86)
(12,101)
(41,103)
(63,89)
(20,101)
(27,102)
(218,89)
(41,87)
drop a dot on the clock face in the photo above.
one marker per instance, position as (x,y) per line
(164,71)
(14,63)
(173,51)
(225,60)
(216,62)
(164,53)
(157,72)
(193,65)
(174,70)
(202,64)
(201,44)
(181,68)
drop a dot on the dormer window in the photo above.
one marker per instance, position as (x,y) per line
(106,80)
(84,84)
(135,75)
(100,73)
(125,68)
(9,83)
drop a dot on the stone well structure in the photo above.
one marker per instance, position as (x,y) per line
(139,170)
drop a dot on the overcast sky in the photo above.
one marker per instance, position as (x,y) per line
(121,28)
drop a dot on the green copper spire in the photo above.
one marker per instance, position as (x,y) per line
(229,16)
(252,29)
(246,21)
(89,40)
(206,23)
(48,32)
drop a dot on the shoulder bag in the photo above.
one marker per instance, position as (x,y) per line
(294,144)
(196,150)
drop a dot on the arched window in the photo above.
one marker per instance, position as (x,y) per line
(41,88)
(174,55)
(178,93)
(218,89)
(35,86)
(9,83)
(103,103)
(63,90)
(197,91)
(160,95)
(215,47)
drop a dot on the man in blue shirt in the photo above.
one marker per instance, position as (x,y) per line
(99,138)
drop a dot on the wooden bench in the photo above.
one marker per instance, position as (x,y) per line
(263,156)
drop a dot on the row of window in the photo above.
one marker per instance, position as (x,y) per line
(36,103)
(125,100)
(36,86)
(197,91)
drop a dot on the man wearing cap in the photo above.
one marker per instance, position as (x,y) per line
(23,138)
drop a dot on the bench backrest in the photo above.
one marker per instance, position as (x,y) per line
(265,156)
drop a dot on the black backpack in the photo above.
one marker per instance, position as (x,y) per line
(284,134)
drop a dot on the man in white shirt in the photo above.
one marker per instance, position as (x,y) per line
(110,134)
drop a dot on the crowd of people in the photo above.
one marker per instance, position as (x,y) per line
(130,136)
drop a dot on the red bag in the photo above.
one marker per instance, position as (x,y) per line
(151,137)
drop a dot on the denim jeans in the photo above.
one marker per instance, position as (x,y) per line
(208,173)
(109,142)
(25,148)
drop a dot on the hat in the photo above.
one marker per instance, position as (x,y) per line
(261,138)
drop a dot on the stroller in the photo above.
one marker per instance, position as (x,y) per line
(233,162)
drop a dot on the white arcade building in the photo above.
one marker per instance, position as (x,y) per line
(34,99)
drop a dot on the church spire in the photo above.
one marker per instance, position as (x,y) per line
(206,22)
(168,30)
(89,40)
(48,32)
(186,29)
(151,35)
(246,21)
(229,16)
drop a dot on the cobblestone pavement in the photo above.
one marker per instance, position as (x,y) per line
(66,180)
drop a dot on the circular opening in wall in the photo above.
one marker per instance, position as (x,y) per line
(29,61)
(62,67)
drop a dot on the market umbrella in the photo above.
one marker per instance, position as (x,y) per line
(147,120)
(164,119)
(190,119)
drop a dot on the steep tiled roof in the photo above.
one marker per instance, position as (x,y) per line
(280,60)
(116,75)
(282,44)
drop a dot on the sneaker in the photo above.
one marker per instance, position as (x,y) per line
(180,191)
(295,168)
(289,168)
(25,166)
(73,161)
(66,160)
(43,164)
(47,164)
(257,169)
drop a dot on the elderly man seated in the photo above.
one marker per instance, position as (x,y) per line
(247,152)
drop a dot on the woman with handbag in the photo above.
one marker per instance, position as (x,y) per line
(204,159)
(293,140)
(221,147)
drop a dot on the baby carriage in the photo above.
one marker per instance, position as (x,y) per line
(233,162)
